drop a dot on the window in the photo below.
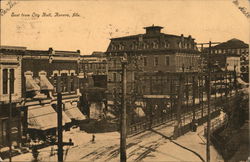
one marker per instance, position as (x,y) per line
(5,81)
(55,81)
(72,88)
(12,80)
(180,44)
(155,45)
(238,51)
(156,61)
(64,78)
(119,77)
(166,45)
(114,77)
(145,61)
(167,60)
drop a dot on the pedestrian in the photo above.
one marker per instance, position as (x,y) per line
(93,138)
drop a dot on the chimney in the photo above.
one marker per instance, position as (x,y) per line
(50,50)
(153,29)
(182,37)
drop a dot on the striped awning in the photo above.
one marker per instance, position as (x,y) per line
(43,117)
(31,84)
(45,83)
(73,112)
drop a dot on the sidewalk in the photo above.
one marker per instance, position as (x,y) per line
(192,140)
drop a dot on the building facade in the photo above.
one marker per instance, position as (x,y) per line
(32,77)
(44,73)
(10,94)
(151,52)
(94,67)
(235,48)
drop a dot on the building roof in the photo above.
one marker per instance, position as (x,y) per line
(98,53)
(152,31)
(13,47)
(231,44)
(149,36)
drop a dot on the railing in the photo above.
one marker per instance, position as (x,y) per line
(146,124)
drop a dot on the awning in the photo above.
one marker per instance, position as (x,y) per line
(43,117)
(239,80)
(45,83)
(31,84)
(73,112)
(139,112)
(66,119)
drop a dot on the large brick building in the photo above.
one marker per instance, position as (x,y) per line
(152,51)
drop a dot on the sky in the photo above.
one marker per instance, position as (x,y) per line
(100,20)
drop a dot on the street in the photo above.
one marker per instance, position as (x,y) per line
(151,145)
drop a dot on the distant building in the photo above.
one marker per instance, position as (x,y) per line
(233,48)
(94,67)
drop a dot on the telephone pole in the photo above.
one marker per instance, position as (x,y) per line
(123,133)
(59,121)
(10,113)
(208,102)
(208,80)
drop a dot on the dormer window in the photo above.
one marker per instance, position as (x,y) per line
(155,45)
(166,45)
(180,45)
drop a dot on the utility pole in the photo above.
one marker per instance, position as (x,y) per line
(10,114)
(208,96)
(123,133)
(177,128)
(208,100)
(194,87)
(59,121)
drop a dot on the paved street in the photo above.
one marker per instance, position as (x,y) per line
(148,146)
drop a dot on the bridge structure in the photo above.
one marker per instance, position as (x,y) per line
(180,98)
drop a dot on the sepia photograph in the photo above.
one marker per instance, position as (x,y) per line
(124,80)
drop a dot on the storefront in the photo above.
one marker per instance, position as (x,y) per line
(42,121)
